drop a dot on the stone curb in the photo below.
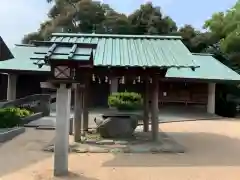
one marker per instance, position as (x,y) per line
(10,134)
(31,118)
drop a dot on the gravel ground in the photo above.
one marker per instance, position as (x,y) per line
(24,150)
(213,151)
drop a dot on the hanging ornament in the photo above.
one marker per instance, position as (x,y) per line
(74,72)
(93,77)
(106,79)
(150,80)
(139,79)
(134,82)
(123,80)
(99,80)
(110,82)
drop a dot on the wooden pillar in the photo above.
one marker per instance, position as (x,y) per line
(154,108)
(78,104)
(85,107)
(146,108)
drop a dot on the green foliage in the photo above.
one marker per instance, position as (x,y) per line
(231,43)
(125,100)
(86,16)
(11,117)
(226,27)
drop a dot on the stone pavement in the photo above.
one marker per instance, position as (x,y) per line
(140,143)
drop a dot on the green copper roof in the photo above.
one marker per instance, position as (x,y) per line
(62,51)
(21,60)
(5,53)
(210,69)
(133,50)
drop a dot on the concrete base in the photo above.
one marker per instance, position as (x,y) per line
(8,134)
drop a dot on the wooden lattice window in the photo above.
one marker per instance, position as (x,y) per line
(62,72)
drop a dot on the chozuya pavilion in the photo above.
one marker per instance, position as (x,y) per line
(161,68)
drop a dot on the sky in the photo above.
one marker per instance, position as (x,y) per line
(19,17)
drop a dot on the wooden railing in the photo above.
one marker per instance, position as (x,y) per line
(183,97)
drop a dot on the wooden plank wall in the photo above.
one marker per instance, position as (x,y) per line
(180,92)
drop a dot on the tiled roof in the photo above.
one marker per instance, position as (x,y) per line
(210,69)
(133,50)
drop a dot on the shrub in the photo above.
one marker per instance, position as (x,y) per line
(11,117)
(125,100)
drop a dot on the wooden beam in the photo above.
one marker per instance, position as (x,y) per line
(78,109)
(154,108)
(146,107)
(86,103)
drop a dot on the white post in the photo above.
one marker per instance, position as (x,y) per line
(211,98)
(114,85)
(62,131)
(12,85)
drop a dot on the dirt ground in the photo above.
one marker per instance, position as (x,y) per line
(213,153)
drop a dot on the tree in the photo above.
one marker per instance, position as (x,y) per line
(188,33)
(195,40)
(89,16)
(202,41)
(149,20)
(115,23)
(27,39)
(225,26)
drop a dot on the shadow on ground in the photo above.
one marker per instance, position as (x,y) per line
(202,149)
(24,150)
(70,176)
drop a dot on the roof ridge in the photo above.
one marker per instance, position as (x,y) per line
(25,45)
(117,36)
(202,54)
